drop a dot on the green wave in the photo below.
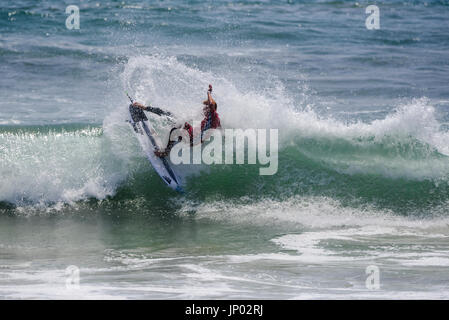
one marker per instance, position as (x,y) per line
(395,173)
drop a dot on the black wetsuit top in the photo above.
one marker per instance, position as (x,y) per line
(157,111)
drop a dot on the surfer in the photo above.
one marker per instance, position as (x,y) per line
(211,121)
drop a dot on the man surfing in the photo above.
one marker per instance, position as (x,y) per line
(211,121)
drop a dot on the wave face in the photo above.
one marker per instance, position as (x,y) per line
(361,127)
(399,163)
(363,172)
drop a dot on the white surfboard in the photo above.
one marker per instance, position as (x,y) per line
(150,142)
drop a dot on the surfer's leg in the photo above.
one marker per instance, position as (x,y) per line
(171,143)
(169,146)
(158,111)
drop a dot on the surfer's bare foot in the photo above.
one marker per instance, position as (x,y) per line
(161,154)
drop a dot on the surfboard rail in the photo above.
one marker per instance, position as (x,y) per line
(149,142)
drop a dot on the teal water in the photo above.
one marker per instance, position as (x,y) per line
(363,179)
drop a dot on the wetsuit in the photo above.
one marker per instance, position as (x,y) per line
(211,121)
(157,111)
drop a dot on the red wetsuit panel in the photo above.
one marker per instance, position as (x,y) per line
(189,129)
(211,121)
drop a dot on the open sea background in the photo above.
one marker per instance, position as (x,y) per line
(363,179)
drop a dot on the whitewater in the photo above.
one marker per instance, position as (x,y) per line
(363,167)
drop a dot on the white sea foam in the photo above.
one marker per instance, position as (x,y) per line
(305,212)
(165,82)
(67,166)
(57,166)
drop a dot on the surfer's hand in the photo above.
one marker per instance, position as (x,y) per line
(210,88)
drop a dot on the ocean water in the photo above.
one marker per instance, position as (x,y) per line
(363,179)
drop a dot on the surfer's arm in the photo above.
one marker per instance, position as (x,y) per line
(158,111)
(210,100)
(143,107)
(155,110)
(209,97)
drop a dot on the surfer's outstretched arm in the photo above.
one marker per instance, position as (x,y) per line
(155,110)
(209,96)
(210,100)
